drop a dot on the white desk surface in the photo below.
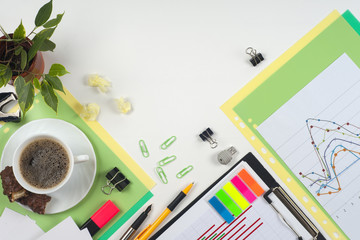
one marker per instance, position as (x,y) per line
(177,62)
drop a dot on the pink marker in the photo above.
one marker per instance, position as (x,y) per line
(101,217)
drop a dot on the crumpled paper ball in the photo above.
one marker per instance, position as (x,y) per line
(123,105)
(90,111)
(101,83)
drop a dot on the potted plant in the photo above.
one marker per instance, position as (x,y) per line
(22,64)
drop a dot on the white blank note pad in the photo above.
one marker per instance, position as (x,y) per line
(67,229)
(14,225)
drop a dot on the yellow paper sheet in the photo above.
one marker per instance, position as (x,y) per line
(321,217)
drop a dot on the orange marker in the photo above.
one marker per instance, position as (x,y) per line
(144,234)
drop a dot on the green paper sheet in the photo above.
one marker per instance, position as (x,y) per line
(128,201)
(337,39)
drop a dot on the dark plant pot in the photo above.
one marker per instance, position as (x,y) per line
(37,64)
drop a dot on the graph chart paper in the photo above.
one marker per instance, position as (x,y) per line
(316,133)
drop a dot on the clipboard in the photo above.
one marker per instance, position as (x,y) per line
(274,188)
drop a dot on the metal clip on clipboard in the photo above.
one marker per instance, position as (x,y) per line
(284,198)
(280,193)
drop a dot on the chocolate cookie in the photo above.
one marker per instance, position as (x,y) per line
(36,202)
(15,192)
(11,187)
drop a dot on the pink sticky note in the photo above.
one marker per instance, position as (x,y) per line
(245,191)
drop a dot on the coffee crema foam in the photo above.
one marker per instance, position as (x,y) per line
(44,163)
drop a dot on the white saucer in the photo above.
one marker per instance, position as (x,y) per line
(83,174)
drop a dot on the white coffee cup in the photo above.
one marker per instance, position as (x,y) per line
(19,176)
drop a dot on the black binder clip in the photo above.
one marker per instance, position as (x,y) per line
(206,136)
(6,98)
(256,58)
(115,180)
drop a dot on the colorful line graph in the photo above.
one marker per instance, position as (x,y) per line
(337,148)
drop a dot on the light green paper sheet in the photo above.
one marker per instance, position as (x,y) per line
(128,201)
(341,36)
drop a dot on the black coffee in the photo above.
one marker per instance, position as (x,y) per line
(44,163)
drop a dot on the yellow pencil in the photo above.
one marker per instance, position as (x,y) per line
(144,234)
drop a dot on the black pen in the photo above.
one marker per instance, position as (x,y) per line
(135,226)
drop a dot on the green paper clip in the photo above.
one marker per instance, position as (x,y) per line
(160,172)
(167,160)
(144,149)
(185,171)
(168,142)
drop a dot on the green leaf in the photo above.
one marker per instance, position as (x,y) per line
(20,32)
(38,41)
(57,70)
(2,69)
(8,75)
(34,49)
(53,22)
(55,82)
(47,46)
(36,83)
(2,30)
(44,14)
(49,96)
(44,34)
(23,59)
(18,50)
(25,92)
(4,79)
(19,84)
